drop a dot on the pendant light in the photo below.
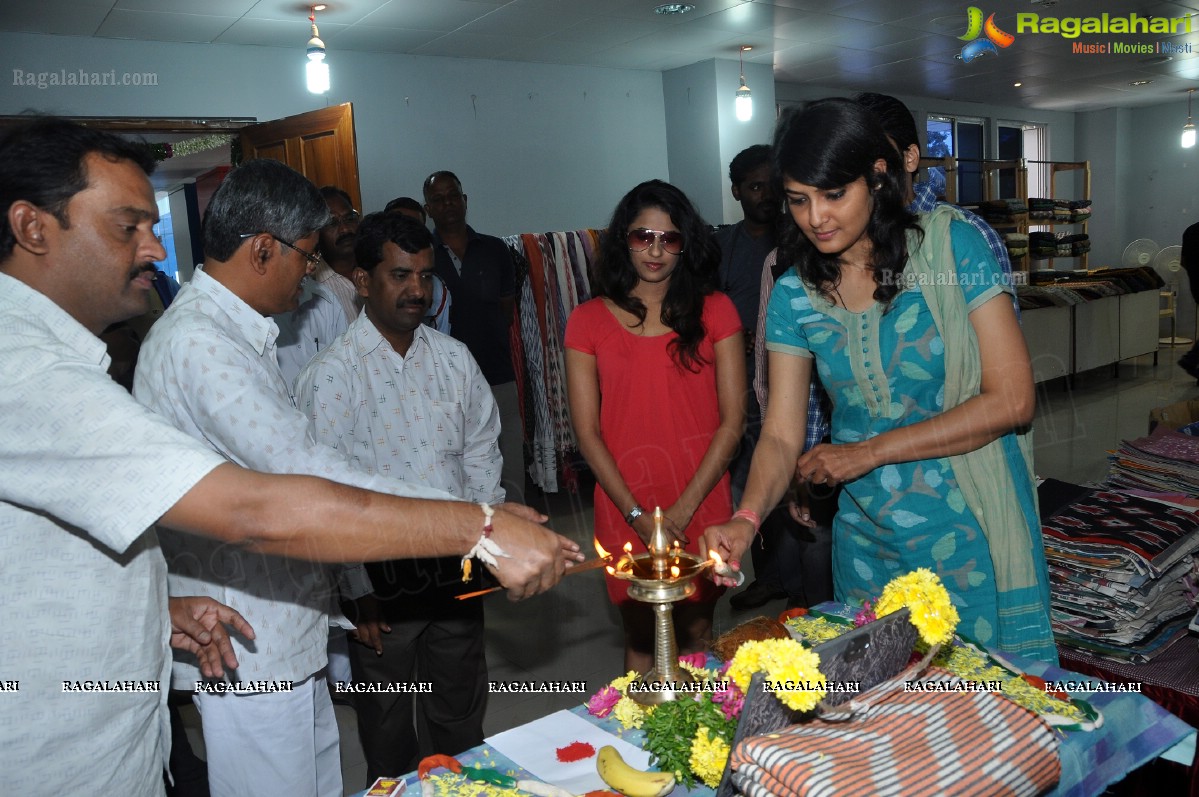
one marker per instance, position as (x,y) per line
(744,101)
(1188,130)
(317,70)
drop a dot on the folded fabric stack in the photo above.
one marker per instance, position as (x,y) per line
(1016,243)
(1080,209)
(1003,212)
(1040,208)
(1059,211)
(1050,288)
(1122,572)
(1047,244)
(1166,461)
(915,742)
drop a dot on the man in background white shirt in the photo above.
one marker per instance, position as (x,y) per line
(397,397)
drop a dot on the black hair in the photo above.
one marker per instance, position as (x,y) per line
(407,202)
(693,278)
(261,196)
(42,161)
(443,173)
(330,191)
(832,143)
(377,229)
(897,121)
(746,161)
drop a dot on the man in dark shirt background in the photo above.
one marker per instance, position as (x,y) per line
(479,273)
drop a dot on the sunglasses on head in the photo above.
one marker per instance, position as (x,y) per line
(641,239)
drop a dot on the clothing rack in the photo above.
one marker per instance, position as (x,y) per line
(552,278)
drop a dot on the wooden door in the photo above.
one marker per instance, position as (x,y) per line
(319,145)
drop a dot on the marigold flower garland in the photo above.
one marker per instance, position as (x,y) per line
(926,598)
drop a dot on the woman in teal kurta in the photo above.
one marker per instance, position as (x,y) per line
(912,335)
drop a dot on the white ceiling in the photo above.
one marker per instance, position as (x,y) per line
(905,47)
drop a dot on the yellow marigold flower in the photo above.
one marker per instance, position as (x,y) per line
(622,683)
(709,753)
(926,598)
(629,713)
(782,660)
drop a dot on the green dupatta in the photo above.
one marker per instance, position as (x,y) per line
(984,475)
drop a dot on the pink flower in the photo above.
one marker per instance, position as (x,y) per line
(730,700)
(697,660)
(602,702)
(866,615)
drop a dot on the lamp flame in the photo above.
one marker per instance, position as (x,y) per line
(674,571)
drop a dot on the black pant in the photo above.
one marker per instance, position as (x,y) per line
(449,654)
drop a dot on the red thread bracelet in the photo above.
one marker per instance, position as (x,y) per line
(748,514)
(488,514)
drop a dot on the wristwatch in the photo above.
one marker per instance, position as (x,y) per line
(633,514)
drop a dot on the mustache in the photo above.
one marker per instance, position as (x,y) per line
(137,271)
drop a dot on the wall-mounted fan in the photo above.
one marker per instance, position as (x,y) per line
(1168,264)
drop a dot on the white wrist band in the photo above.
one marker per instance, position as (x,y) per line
(485,550)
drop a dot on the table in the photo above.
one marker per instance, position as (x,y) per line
(1135,731)
(1170,680)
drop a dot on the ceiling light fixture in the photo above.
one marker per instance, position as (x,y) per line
(1017,84)
(1188,130)
(674,8)
(1140,82)
(317,71)
(744,101)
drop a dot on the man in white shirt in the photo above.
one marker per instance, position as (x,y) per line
(337,250)
(85,471)
(400,398)
(313,325)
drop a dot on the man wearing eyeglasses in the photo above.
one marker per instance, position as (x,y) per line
(337,251)
(209,366)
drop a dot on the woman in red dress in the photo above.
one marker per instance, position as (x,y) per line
(655,369)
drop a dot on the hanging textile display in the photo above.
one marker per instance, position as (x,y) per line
(552,274)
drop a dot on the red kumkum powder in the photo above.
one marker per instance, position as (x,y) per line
(575,751)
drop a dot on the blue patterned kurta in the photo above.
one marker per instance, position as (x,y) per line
(885,370)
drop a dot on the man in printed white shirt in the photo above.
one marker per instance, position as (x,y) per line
(400,398)
(85,471)
(337,250)
(209,366)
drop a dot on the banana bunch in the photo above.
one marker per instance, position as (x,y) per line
(629,781)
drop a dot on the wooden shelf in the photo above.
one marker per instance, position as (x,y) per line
(1056,168)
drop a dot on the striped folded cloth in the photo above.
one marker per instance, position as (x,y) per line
(922,742)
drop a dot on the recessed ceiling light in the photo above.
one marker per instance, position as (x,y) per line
(1140,82)
(1017,84)
(319,7)
(674,8)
